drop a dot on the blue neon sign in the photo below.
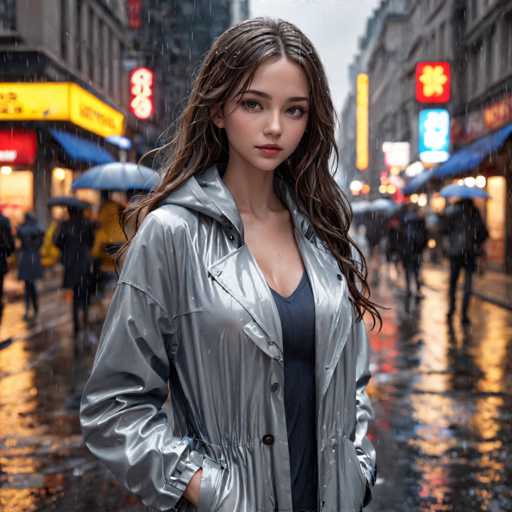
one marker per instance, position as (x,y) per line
(434,135)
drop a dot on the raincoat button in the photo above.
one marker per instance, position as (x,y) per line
(268,439)
(231,237)
(274,386)
(339,277)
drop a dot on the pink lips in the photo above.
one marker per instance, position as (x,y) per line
(269,150)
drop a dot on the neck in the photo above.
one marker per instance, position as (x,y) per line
(252,189)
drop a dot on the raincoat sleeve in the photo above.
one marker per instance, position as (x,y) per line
(121,413)
(364,411)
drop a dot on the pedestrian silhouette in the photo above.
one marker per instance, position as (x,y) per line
(30,269)
(6,249)
(464,235)
(412,238)
(75,238)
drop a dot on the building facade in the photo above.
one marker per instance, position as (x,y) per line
(379,53)
(172,40)
(63,92)
(475,38)
(484,112)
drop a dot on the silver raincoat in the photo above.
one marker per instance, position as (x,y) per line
(189,371)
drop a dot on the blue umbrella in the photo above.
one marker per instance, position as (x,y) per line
(118,176)
(464,192)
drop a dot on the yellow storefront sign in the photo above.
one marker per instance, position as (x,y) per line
(59,101)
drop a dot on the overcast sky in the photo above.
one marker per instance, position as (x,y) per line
(332,25)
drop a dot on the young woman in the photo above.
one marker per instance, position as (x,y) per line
(240,299)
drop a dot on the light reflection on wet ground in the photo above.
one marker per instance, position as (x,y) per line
(43,464)
(442,397)
(443,403)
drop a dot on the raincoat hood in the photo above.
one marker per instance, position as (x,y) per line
(207,194)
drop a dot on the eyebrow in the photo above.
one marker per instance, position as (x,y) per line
(269,97)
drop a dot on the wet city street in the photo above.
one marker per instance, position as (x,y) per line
(443,402)
(442,398)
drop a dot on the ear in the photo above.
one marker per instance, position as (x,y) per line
(217,116)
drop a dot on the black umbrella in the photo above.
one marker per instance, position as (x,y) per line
(69,201)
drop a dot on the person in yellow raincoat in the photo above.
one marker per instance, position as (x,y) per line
(109,237)
(50,254)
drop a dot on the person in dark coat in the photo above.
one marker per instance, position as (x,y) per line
(75,238)
(412,238)
(374,232)
(464,235)
(392,230)
(6,249)
(30,269)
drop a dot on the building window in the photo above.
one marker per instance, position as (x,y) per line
(489,55)
(7,15)
(90,43)
(474,72)
(64,29)
(78,34)
(107,41)
(507,48)
(99,52)
(442,36)
(122,92)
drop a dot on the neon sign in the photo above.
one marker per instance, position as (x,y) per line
(434,135)
(141,92)
(433,82)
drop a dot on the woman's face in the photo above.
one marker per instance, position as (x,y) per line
(273,111)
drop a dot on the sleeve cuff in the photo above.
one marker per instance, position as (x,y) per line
(184,472)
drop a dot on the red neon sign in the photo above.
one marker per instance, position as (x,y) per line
(433,82)
(18,147)
(134,14)
(141,92)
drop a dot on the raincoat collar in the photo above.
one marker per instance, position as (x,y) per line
(207,193)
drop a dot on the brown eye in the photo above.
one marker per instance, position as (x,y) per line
(297,112)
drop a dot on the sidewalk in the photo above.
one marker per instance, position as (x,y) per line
(492,286)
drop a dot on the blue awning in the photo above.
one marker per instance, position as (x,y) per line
(418,183)
(81,149)
(472,155)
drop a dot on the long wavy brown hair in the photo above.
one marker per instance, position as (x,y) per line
(228,69)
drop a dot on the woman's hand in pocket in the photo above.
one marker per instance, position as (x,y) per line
(191,493)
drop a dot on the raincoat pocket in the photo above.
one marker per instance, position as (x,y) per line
(211,479)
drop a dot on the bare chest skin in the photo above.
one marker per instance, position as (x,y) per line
(273,245)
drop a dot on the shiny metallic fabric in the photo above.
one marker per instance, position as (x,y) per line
(192,314)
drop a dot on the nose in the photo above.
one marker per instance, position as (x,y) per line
(273,127)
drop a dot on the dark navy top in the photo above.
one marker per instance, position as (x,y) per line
(297,313)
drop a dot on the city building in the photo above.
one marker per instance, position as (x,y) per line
(382,40)
(63,92)
(483,114)
(473,39)
(171,38)
(387,88)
